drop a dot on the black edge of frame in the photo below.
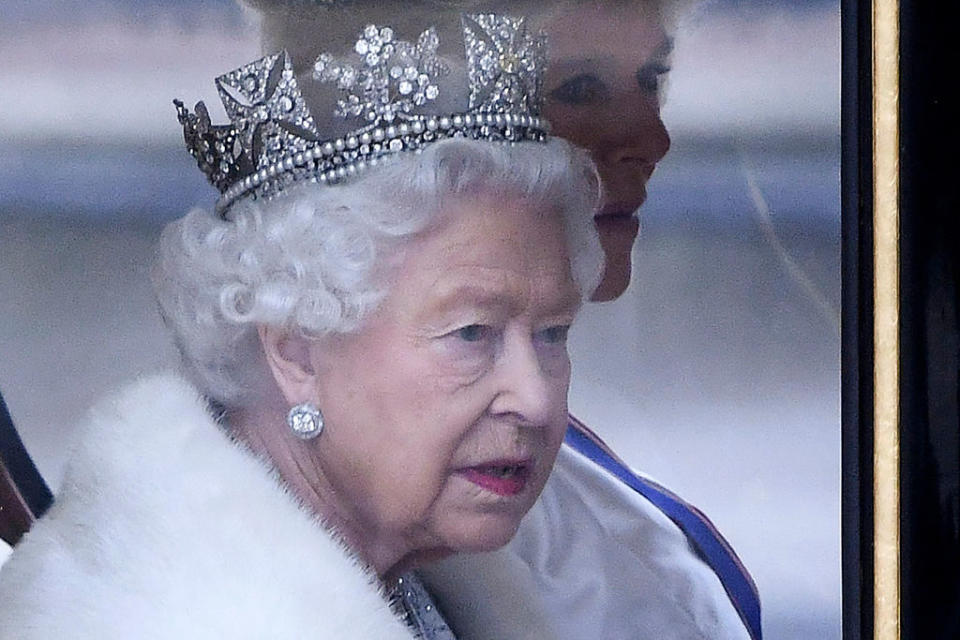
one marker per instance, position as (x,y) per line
(28,482)
(929,319)
(856,180)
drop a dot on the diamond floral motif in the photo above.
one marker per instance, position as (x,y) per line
(506,64)
(384,84)
(390,77)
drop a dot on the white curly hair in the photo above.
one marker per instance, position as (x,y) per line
(314,259)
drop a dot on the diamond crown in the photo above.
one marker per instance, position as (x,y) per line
(386,87)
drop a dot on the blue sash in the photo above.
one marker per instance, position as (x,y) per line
(716,551)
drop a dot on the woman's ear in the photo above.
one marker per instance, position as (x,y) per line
(290,358)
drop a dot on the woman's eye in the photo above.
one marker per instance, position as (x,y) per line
(583,89)
(554,335)
(650,76)
(473,332)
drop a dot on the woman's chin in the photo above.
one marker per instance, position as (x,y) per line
(617,256)
(487,535)
(616,279)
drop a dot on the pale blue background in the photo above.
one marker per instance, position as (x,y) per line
(718,372)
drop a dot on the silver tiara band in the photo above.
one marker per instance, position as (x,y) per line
(387,86)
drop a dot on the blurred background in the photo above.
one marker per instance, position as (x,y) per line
(719,373)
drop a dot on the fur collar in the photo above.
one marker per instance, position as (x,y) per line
(165,529)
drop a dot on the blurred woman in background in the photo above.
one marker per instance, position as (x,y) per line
(647,563)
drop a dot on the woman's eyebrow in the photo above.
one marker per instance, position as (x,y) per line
(474,295)
(570,65)
(567,66)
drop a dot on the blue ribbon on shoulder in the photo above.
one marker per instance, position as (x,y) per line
(711,545)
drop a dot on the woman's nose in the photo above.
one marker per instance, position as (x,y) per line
(628,158)
(642,143)
(527,390)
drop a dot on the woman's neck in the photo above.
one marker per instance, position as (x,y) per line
(264,432)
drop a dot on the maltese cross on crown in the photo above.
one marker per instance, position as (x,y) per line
(505,63)
(386,84)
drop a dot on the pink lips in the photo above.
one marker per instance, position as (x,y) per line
(502,478)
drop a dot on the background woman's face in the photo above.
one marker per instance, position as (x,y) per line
(445,413)
(603,94)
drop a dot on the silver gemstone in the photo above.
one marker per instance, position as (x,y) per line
(347,78)
(305,424)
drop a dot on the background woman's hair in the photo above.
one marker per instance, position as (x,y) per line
(313,260)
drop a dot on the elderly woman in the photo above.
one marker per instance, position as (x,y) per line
(674,574)
(373,328)
(410,318)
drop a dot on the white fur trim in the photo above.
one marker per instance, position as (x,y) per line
(165,529)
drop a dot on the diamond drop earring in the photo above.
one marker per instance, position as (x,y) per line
(305,420)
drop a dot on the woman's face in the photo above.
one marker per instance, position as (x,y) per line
(603,94)
(445,413)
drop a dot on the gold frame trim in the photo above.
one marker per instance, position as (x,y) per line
(886,255)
